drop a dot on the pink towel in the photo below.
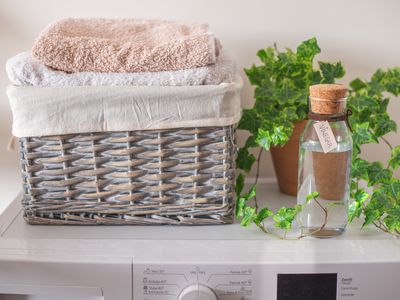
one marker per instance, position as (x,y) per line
(125,45)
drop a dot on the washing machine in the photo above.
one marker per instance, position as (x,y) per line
(228,262)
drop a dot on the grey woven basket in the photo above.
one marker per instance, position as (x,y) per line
(176,176)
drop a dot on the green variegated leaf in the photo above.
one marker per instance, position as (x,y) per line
(394,160)
(240,205)
(331,71)
(266,56)
(312,196)
(285,216)
(392,220)
(262,215)
(239,185)
(245,160)
(264,139)
(362,134)
(364,102)
(356,207)
(248,216)
(359,168)
(249,121)
(357,84)
(307,50)
(378,174)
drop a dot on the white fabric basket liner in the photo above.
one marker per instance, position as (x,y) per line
(42,111)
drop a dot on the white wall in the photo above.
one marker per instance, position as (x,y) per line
(363,34)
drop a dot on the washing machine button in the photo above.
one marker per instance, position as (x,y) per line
(197,292)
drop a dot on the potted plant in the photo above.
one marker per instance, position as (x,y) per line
(375,191)
(281,105)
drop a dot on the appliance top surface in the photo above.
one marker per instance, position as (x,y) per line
(221,243)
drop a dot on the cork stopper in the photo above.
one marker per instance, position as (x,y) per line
(328,99)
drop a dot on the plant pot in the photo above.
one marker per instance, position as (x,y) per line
(286,159)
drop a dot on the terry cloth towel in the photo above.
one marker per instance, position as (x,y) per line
(125,45)
(24,69)
(41,111)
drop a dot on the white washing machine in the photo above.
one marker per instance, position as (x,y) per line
(192,263)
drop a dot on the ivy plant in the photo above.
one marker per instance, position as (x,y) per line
(281,96)
(281,99)
(379,203)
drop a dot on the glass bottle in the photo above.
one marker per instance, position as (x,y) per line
(328,173)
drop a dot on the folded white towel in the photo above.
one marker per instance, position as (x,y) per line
(61,110)
(24,69)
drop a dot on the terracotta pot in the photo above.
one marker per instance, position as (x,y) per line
(286,160)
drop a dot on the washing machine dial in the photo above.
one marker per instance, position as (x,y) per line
(197,292)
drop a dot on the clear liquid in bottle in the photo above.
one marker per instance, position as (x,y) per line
(327,174)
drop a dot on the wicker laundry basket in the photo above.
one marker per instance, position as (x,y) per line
(118,155)
(177,176)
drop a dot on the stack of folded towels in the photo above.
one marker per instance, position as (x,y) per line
(91,75)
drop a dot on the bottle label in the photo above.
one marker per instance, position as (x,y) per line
(325,136)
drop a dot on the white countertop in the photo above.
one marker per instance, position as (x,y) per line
(21,241)
(10,173)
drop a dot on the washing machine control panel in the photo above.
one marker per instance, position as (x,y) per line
(196,282)
(272,281)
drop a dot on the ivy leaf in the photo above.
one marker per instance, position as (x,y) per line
(287,93)
(262,215)
(312,196)
(241,202)
(357,84)
(285,216)
(331,71)
(290,113)
(315,77)
(394,160)
(371,215)
(248,216)
(264,91)
(266,55)
(363,102)
(354,211)
(362,134)
(239,185)
(386,81)
(279,136)
(245,159)
(361,196)
(384,125)
(240,205)
(359,168)
(355,208)
(383,200)
(249,121)
(392,220)
(392,191)
(250,142)
(257,74)
(251,194)
(308,49)
(264,138)
(375,208)
(378,174)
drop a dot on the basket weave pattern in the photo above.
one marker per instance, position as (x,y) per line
(174,176)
